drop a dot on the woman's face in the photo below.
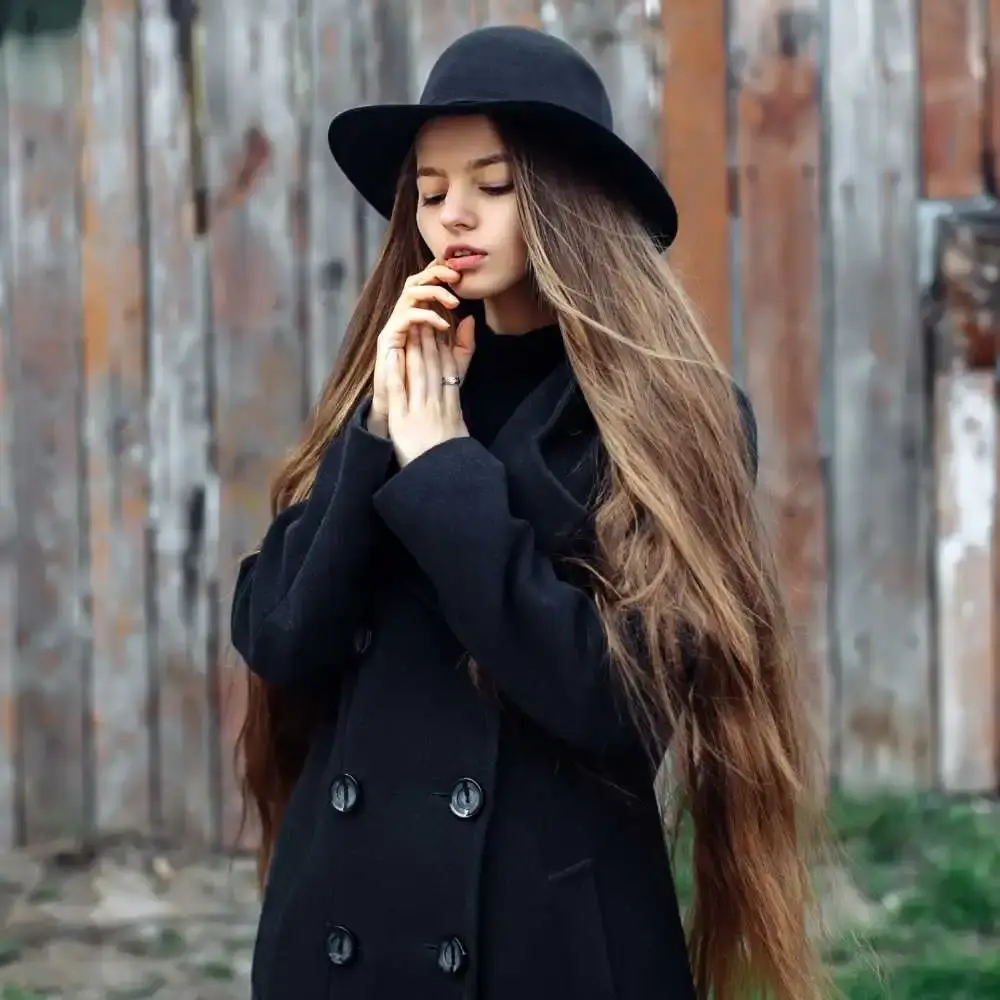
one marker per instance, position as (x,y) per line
(465,202)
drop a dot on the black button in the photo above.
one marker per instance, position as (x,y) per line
(345,793)
(466,798)
(362,639)
(341,946)
(452,957)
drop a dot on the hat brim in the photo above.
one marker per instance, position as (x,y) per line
(370,145)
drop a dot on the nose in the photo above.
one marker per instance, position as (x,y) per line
(456,212)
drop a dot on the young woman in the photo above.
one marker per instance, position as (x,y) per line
(514,560)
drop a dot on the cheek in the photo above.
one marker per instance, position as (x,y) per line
(519,262)
(421,227)
(513,240)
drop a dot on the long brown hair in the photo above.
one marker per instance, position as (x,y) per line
(681,549)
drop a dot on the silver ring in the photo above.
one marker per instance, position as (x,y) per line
(451,379)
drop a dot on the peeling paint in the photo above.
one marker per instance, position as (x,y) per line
(968,680)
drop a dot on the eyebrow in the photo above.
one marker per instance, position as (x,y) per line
(477,164)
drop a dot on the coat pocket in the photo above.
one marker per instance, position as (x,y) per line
(578,927)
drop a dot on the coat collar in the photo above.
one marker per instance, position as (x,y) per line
(551,451)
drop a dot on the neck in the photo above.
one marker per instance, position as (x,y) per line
(517,310)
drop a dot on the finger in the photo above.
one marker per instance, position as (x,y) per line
(435,271)
(465,344)
(415,317)
(465,335)
(416,378)
(452,395)
(395,387)
(432,362)
(428,293)
(408,319)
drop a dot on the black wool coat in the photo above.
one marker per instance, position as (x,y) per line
(444,841)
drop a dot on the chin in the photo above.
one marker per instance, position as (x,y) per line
(479,286)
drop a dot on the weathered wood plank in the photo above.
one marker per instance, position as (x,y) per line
(996,583)
(258,353)
(881,506)
(53,599)
(526,12)
(434,25)
(952,80)
(10,810)
(328,225)
(622,40)
(182,494)
(992,99)
(778,142)
(966,449)
(694,157)
(384,65)
(114,367)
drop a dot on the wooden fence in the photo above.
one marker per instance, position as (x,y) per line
(179,255)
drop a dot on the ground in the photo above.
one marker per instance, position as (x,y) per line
(125,922)
(913,910)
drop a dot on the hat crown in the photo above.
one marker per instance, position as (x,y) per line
(513,63)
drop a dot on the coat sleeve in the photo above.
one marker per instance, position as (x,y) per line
(538,637)
(299,598)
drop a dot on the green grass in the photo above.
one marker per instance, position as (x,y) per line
(10,952)
(9,992)
(933,866)
(930,867)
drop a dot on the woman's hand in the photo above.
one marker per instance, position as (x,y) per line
(424,404)
(413,310)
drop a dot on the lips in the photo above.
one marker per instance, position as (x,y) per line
(457,249)
(461,257)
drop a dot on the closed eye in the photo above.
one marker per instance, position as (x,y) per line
(493,191)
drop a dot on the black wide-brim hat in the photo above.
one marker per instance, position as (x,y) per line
(518,73)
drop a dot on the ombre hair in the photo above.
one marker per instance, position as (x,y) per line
(680,548)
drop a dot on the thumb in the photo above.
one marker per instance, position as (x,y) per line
(465,343)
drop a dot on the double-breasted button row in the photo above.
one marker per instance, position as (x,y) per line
(342,949)
(466,801)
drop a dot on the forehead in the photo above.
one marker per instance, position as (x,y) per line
(453,141)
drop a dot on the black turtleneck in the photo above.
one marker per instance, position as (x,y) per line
(504,369)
